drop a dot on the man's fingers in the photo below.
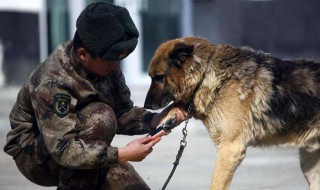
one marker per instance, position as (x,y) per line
(156,140)
(153,141)
(183,114)
(161,133)
(145,140)
(180,115)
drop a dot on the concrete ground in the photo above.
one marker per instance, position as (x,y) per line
(274,168)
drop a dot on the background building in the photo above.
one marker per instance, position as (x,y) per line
(31,29)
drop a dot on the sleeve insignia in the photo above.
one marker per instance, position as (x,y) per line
(61,104)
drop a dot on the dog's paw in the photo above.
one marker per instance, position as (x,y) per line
(174,117)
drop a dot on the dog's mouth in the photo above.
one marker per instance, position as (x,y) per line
(166,100)
(151,103)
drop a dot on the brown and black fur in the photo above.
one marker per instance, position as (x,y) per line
(244,98)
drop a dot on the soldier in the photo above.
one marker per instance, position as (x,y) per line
(73,104)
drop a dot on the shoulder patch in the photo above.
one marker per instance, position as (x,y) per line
(61,104)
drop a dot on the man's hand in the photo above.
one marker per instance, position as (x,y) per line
(137,149)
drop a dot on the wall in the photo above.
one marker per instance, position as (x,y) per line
(285,28)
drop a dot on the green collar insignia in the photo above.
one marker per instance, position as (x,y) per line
(61,104)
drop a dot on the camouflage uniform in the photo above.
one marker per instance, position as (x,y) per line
(63,123)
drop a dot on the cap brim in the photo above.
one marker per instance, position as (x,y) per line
(120,50)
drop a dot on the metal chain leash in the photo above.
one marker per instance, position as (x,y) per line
(183,144)
(184,130)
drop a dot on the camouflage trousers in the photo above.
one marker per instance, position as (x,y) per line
(35,163)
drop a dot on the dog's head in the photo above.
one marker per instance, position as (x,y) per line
(175,71)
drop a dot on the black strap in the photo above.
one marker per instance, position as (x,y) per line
(183,144)
(175,164)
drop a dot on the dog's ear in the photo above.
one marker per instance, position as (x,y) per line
(180,53)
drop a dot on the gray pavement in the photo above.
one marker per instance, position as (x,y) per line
(275,168)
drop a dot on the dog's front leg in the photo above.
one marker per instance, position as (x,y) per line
(230,155)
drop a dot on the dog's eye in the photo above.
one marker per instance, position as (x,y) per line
(182,58)
(159,78)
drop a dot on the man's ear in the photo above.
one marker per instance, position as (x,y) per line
(81,54)
(181,52)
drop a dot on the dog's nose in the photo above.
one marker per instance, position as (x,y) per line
(147,104)
(148,101)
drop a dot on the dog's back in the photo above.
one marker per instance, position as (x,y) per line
(286,109)
(278,99)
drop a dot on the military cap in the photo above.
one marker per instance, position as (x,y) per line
(107,30)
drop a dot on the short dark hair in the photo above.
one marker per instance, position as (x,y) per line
(77,43)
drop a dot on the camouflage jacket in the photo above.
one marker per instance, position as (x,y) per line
(61,78)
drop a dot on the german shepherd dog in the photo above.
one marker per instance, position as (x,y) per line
(244,98)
